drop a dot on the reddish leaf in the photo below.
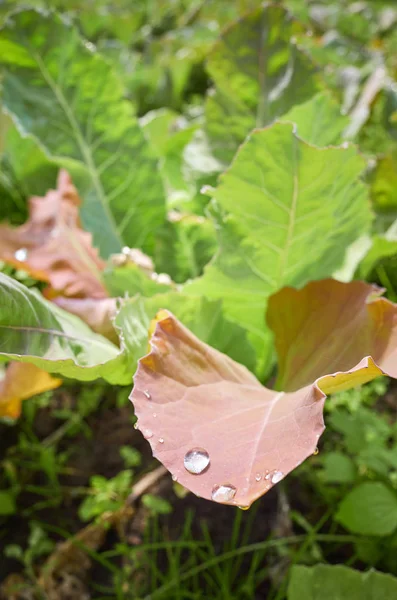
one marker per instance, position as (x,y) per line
(200,398)
(22,381)
(188,395)
(52,245)
(330,326)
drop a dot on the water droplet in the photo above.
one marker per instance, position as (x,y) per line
(21,254)
(277,476)
(316,451)
(147,394)
(136,425)
(223,493)
(243,507)
(174,478)
(147,433)
(258,477)
(196,460)
(154,415)
(161,440)
(267,476)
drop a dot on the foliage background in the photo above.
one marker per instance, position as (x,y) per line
(144,105)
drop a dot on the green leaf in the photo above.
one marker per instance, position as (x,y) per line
(169,134)
(384,183)
(381,248)
(184,246)
(7,503)
(319,120)
(338,468)
(157,505)
(332,582)
(369,509)
(131,279)
(259,74)
(69,98)
(36,331)
(285,212)
(205,318)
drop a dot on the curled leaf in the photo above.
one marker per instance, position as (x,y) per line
(193,401)
(22,381)
(188,395)
(52,246)
(329,326)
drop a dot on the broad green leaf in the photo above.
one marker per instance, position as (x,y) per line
(184,246)
(285,213)
(259,74)
(384,182)
(131,280)
(205,318)
(69,98)
(369,509)
(338,468)
(332,582)
(319,120)
(381,248)
(38,332)
(34,171)
(169,134)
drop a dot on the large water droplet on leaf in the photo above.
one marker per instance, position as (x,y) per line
(196,460)
(277,476)
(223,493)
(21,254)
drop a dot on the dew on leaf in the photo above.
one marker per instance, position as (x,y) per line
(161,440)
(196,460)
(277,476)
(21,254)
(258,477)
(223,493)
(147,433)
(147,394)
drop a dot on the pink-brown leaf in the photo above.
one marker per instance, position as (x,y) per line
(53,246)
(329,326)
(188,395)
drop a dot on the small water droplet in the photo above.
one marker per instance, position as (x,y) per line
(196,460)
(161,440)
(316,451)
(147,433)
(258,477)
(154,415)
(243,507)
(21,254)
(267,476)
(277,476)
(136,425)
(147,394)
(174,478)
(223,493)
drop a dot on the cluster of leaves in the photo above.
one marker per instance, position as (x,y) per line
(294,140)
